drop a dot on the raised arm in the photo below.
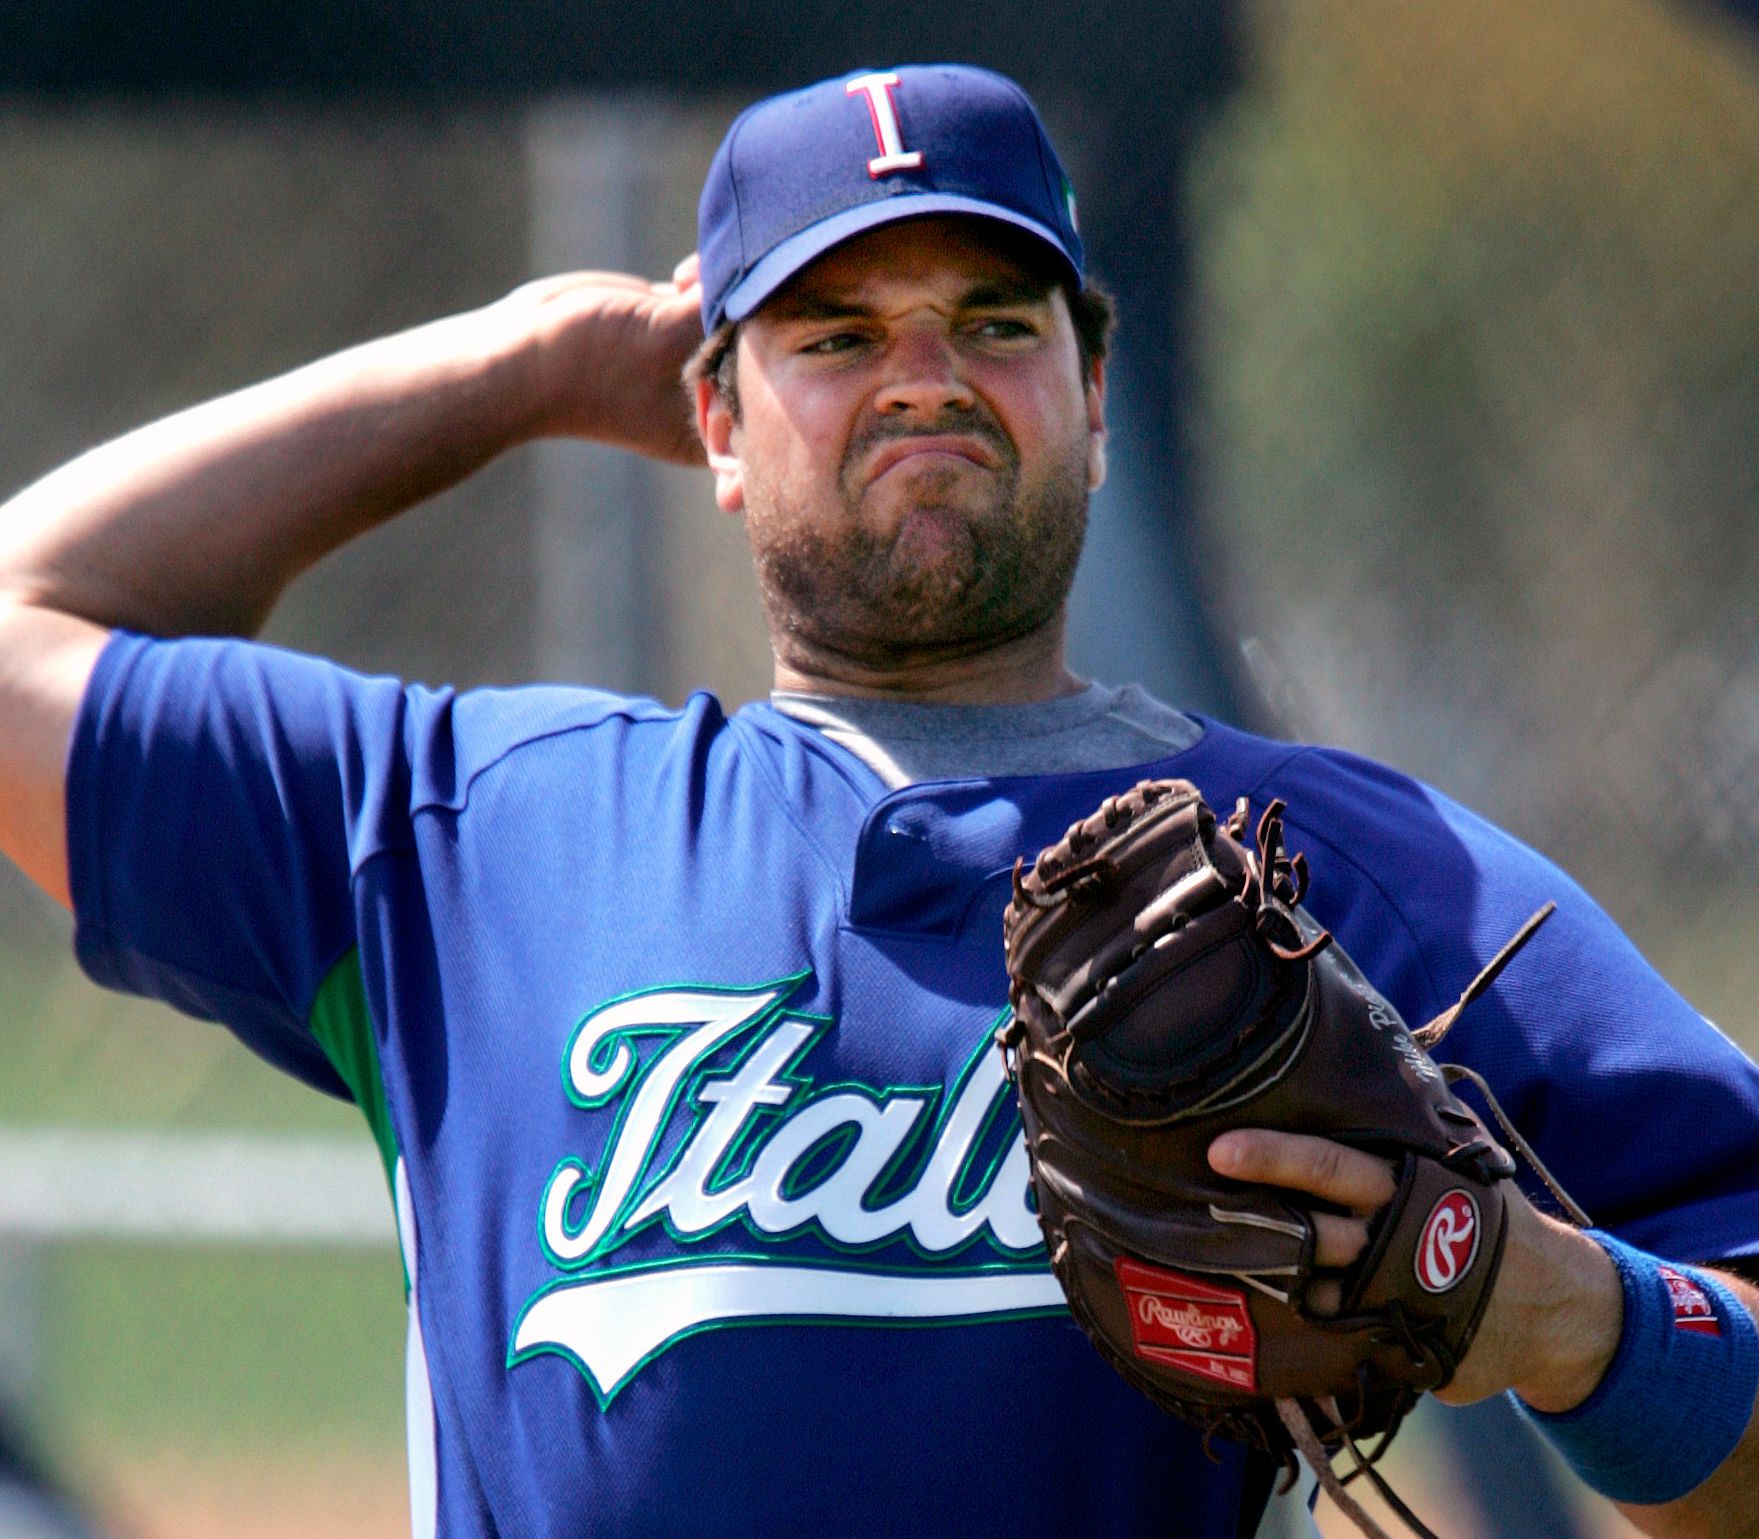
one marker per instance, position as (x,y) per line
(194,525)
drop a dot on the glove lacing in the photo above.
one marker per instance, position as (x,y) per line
(1274,885)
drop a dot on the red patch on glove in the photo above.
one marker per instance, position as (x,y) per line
(1193,1326)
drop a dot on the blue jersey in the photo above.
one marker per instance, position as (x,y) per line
(674,1031)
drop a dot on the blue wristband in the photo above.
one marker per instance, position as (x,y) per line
(1678,1394)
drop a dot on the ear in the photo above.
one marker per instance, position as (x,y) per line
(716,426)
(1096,431)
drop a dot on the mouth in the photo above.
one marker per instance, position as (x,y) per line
(927,449)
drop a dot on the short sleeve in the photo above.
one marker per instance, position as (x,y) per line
(221,798)
(1644,1110)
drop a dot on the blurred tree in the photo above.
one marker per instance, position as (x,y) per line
(1480,400)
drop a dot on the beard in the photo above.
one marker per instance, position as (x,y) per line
(946,562)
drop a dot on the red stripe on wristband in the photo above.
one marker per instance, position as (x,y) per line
(1692,1310)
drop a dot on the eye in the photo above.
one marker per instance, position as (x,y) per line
(1004,328)
(835,342)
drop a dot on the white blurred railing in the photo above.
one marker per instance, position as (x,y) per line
(64,1183)
(178,1188)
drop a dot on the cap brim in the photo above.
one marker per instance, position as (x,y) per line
(782,263)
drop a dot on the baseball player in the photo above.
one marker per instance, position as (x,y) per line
(674,1028)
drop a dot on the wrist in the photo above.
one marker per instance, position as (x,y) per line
(562,341)
(1575,1321)
(1678,1395)
(514,347)
(1553,1322)
(600,356)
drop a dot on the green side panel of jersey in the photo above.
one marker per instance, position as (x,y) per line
(342,1027)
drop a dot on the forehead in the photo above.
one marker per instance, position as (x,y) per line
(946,258)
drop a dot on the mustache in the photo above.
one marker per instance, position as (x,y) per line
(965,424)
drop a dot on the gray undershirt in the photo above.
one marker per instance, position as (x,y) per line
(906,741)
(1097,728)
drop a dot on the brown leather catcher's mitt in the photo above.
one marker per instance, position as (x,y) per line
(1167,986)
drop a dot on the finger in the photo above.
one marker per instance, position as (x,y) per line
(1300,1162)
(1337,1241)
(688,273)
(670,303)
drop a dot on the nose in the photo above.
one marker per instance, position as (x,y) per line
(923,374)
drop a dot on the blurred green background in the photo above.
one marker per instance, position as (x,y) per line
(1479,426)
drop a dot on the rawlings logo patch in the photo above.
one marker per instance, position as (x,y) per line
(1193,1326)
(1692,1309)
(1449,1244)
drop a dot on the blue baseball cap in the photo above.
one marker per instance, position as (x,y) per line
(800,173)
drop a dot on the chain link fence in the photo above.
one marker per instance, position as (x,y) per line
(1479,426)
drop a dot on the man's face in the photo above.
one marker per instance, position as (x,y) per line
(915,446)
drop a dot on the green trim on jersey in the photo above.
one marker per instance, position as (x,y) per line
(343,1027)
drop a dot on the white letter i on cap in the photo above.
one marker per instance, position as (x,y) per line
(877,88)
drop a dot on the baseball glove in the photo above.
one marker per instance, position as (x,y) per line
(1166,986)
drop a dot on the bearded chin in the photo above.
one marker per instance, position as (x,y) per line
(999,576)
